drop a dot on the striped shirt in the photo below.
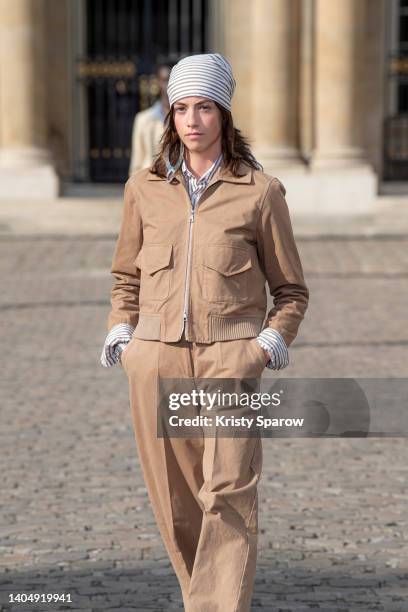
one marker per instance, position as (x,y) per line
(195,185)
(120,334)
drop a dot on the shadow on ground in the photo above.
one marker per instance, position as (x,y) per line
(155,587)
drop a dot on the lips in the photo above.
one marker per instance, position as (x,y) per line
(194,134)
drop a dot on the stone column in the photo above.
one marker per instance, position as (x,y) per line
(339,76)
(344,180)
(275,77)
(25,165)
(237,48)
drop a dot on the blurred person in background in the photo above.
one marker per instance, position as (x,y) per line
(148,124)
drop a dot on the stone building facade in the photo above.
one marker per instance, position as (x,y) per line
(320,89)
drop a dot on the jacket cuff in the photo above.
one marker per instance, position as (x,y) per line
(273,342)
(115,342)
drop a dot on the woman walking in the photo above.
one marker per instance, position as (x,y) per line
(203,230)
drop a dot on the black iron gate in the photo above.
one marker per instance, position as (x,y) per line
(124,40)
(396,119)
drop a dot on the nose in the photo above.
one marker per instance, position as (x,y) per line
(191,119)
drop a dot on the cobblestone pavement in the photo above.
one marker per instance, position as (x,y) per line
(75,517)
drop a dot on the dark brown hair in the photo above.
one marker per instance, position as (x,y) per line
(235,146)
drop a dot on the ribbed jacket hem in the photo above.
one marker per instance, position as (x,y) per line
(150,327)
(233,328)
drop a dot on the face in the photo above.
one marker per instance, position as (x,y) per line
(198,122)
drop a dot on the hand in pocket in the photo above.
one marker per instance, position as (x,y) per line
(125,349)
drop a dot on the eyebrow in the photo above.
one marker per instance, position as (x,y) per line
(204,101)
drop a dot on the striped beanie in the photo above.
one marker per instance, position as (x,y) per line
(207,74)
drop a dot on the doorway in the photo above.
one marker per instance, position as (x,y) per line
(116,45)
(395,151)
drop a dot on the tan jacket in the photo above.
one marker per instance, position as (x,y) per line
(211,264)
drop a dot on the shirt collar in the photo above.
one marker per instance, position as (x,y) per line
(222,173)
(207,174)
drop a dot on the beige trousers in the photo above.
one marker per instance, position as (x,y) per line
(203,490)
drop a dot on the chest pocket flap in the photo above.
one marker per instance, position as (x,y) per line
(153,257)
(227,260)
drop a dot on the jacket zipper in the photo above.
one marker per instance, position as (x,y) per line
(187,274)
(188,270)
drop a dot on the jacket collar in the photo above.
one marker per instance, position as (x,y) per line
(221,174)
